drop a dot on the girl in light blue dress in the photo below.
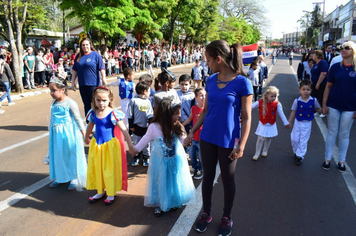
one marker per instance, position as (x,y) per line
(169,184)
(66,139)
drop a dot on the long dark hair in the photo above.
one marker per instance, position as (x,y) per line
(230,54)
(163,116)
(81,52)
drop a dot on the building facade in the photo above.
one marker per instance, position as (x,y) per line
(292,40)
(340,25)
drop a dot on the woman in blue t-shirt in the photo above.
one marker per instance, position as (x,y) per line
(229,94)
(340,102)
(89,67)
(318,76)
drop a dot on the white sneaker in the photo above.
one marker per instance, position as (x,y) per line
(264,153)
(11,103)
(2,111)
(322,115)
(255,158)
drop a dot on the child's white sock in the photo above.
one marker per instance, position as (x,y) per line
(110,198)
(267,143)
(99,195)
(259,145)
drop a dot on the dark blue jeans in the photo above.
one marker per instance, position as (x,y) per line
(86,92)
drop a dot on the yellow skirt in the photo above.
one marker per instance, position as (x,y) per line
(106,167)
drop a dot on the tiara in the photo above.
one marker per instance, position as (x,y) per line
(56,80)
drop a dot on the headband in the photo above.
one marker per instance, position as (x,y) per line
(56,80)
(101,87)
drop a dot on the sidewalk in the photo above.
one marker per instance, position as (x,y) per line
(40,91)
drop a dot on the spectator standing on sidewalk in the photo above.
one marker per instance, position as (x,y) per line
(340,104)
(29,62)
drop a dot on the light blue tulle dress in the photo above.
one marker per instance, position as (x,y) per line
(66,146)
(169,183)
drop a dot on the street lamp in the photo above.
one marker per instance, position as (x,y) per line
(306,28)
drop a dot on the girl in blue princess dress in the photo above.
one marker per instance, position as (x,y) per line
(66,132)
(169,184)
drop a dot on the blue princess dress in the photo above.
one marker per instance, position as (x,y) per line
(169,183)
(66,144)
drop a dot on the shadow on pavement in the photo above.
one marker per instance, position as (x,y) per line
(24,128)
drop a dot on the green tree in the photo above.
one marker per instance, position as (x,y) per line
(312,25)
(107,17)
(13,18)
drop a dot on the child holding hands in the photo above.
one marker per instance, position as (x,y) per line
(107,168)
(303,114)
(169,184)
(268,108)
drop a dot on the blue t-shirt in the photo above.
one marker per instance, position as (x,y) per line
(342,95)
(315,72)
(88,69)
(222,121)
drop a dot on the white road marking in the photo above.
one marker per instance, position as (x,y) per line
(5,183)
(348,176)
(186,220)
(23,193)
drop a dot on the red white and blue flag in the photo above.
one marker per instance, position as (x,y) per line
(248,53)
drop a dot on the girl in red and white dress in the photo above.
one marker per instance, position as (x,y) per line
(268,108)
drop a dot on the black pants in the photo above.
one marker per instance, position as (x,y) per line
(318,94)
(255,93)
(211,154)
(86,92)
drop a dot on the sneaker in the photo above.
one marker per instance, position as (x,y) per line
(326,166)
(264,153)
(198,174)
(341,167)
(225,227)
(202,224)
(135,162)
(298,161)
(33,87)
(145,162)
(255,158)
(322,115)
(193,172)
(11,103)
(157,212)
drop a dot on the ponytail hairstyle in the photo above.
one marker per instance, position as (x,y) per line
(163,116)
(81,52)
(102,89)
(231,55)
(269,89)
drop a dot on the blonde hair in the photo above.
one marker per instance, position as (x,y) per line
(353,46)
(102,89)
(269,89)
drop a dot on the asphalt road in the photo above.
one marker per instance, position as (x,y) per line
(274,197)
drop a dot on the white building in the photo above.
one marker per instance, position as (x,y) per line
(292,39)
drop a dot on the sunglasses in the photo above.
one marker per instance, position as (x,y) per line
(347,48)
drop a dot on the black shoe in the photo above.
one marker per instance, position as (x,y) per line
(198,174)
(202,224)
(341,168)
(158,212)
(225,227)
(326,166)
(193,172)
(298,161)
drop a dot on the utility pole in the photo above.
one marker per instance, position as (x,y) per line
(64,29)
(306,29)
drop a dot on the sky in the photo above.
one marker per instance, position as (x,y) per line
(283,14)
